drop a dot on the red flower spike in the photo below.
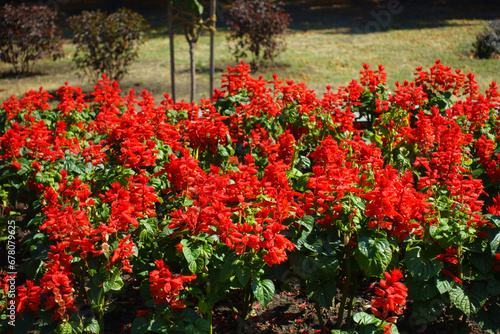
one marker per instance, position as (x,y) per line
(165,287)
(391,297)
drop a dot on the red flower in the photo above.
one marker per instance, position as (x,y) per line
(372,79)
(449,273)
(123,252)
(450,256)
(29,297)
(16,165)
(165,287)
(391,297)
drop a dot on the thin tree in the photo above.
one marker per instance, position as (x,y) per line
(189,14)
(172,49)
(213,5)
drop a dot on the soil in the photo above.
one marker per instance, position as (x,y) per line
(291,311)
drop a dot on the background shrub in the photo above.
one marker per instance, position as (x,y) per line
(259,27)
(28,33)
(106,44)
(487,43)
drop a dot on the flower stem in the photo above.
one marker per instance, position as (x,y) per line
(459,264)
(209,310)
(351,300)
(320,317)
(347,283)
(247,294)
(100,314)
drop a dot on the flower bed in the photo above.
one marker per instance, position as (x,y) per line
(184,205)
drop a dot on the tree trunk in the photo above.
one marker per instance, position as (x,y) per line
(172,50)
(212,46)
(193,70)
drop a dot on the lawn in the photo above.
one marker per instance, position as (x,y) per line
(319,52)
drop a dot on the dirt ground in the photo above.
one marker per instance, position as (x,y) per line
(291,311)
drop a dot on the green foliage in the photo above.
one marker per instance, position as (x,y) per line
(106,44)
(373,255)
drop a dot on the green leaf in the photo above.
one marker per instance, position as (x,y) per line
(489,320)
(93,326)
(373,255)
(444,285)
(421,290)
(312,267)
(23,323)
(301,183)
(495,220)
(377,139)
(422,265)
(307,222)
(16,182)
(145,236)
(223,151)
(494,237)
(201,326)
(460,300)
(214,297)
(190,254)
(225,271)
(483,262)
(243,275)
(65,328)
(322,291)
(193,6)
(493,287)
(426,311)
(371,329)
(310,242)
(328,266)
(196,266)
(71,166)
(199,7)
(363,318)
(263,291)
(203,306)
(25,166)
(115,283)
(478,295)
(76,323)
(158,325)
(469,302)
(35,222)
(140,325)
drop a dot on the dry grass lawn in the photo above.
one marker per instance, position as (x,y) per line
(319,57)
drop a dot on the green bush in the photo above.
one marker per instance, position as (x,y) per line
(106,44)
(487,44)
(28,33)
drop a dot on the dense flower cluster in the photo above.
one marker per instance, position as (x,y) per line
(122,188)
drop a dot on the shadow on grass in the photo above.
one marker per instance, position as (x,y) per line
(346,16)
(11,74)
(367,16)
